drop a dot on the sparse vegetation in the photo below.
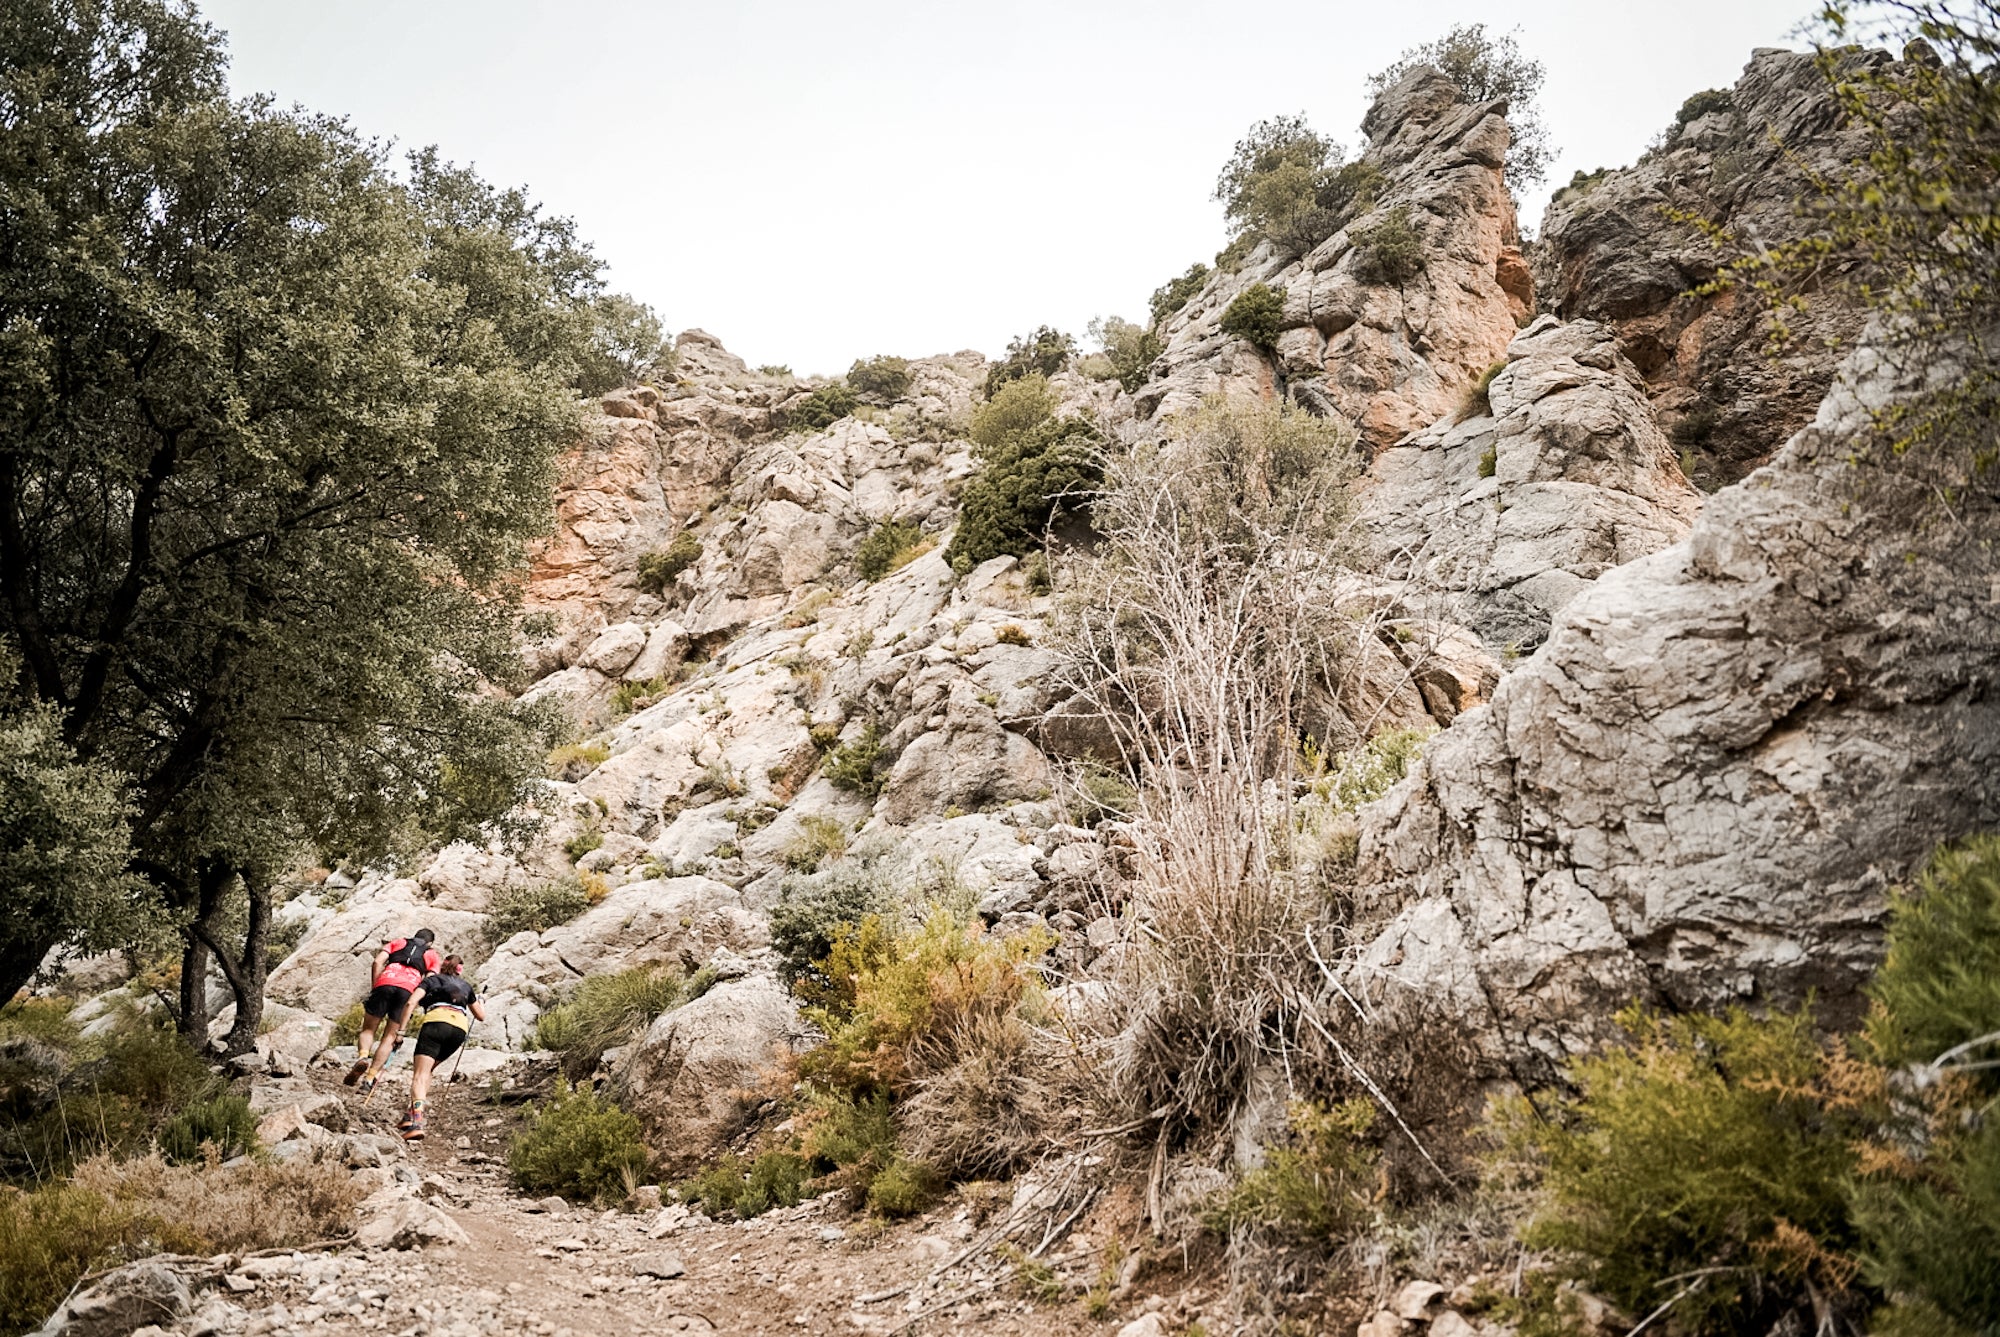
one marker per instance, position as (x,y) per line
(750,1187)
(1019,406)
(658,569)
(880,380)
(581,1145)
(1489,461)
(1034,469)
(1175,293)
(819,840)
(1477,402)
(1485,68)
(1390,251)
(1694,428)
(823,408)
(1319,1185)
(1705,103)
(222,1124)
(535,909)
(605,1011)
(1287,184)
(1129,350)
(890,546)
(1257,315)
(629,697)
(1043,353)
(573,761)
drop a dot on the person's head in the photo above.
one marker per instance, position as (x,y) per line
(425,936)
(453,966)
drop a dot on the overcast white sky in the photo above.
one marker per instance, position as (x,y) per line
(819,180)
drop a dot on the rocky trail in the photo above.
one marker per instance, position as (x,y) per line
(445,1247)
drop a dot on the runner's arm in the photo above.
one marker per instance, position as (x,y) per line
(479,1011)
(410,1008)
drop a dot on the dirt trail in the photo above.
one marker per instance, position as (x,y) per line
(571,1272)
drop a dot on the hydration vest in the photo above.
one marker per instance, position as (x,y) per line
(409,960)
(448,998)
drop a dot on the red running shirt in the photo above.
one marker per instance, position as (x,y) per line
(406,970)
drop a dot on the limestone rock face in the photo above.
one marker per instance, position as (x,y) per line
(1610,252)
(698,1066)
(1392,358)
(679,922)
(135,1296)
(1503,518)
(1700,788)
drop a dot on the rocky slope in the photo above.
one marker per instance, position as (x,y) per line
(1701,788)
(1390,358)
(1618,247)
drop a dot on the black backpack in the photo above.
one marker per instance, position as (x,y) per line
(411,954)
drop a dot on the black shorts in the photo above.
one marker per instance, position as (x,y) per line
(439,1040)
(386,1000)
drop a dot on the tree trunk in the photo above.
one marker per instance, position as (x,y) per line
(18,963)
(246,981)
(212,878)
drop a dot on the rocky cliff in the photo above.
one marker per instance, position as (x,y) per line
(1623,247)
(1390,357)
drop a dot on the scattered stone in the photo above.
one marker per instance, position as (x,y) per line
(1414,1301)
(237,1283)
(829,1234)
(646,1198)
(409,1224)
(552,1204)
(661,1266)
(1384,1324)
(572,1244)
(123,1302)
(1451,1323)
(1146,1325)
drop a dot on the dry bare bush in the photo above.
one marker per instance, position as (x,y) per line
(216,1208)
(1208,630)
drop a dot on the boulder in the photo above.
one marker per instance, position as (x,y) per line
(135,1296)
(701,1066)
(614,649)
(404,1222)
(328,973)
(1701,788)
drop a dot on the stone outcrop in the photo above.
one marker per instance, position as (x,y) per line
(1701,787)
(1612,249)
(1391,358)
(702,1067)
(1502,518)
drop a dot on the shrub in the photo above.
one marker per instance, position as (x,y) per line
(1390,251)
(1320,1186)
(659,568)
(852,766)
(1171,296)
(1102,796)
(573,761)
(1012,633)
(1016,407)
(750,1187)
(579,1145)
(820,838)
(812,912)
(1023,485)
(222,1122)
(823,407)
(880,380)
(1703,104)
(606,1011)
(1709,1153)
(1043,353)
(1485,68)
(1477,402)
(629,697)
(1257,315)
(347,1026)
(535,909)
(1489,462)
(890,546)
(117,1211)
(1286,183)
(1696,426)
(1129,350)
(583,842)
(1930,1221)
(903,1188)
